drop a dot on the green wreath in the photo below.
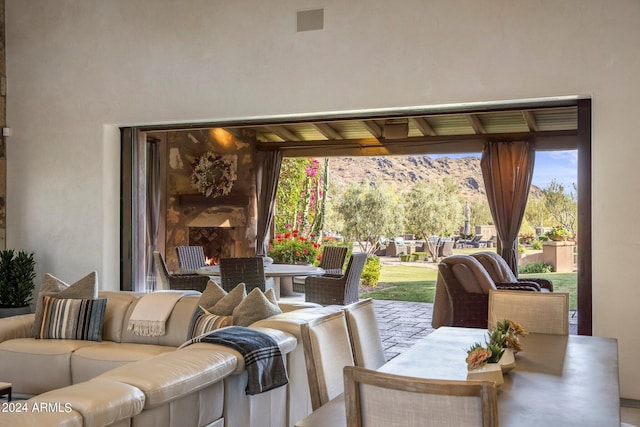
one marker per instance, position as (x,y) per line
(214,174)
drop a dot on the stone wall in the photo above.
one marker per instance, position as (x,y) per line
(186,208)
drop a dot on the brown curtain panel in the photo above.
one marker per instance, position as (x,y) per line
(507,168)
(267,173)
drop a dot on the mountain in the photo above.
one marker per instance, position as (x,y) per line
(402,172)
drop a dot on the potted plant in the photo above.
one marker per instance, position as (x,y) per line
(16,282)
(558,233)
(292,248)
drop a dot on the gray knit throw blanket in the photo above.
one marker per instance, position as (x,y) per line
(262,357)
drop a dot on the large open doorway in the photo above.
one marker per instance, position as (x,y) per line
(550,124)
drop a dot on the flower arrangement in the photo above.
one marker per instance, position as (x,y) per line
(292,248)
(505,335)
(558,233)
(214,174)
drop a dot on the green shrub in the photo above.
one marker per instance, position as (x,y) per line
(421,255)
(405,257)
(537,245)
(371,272)
(535,267)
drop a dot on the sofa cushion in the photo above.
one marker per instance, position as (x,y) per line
(85,288)
(35,366)
(100,402)
(117,306)
(204,322)
(256,306)
(71,319)
(91,361)
(174,374)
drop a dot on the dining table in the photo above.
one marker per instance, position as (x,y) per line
(558,380)
(275,271)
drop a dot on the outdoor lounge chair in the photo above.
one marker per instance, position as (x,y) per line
(168,280)
(462,292)
(445,248)
(333,289)
(395,248)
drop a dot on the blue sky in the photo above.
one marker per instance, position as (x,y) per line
(561,165)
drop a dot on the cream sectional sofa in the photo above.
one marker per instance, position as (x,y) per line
(132,380)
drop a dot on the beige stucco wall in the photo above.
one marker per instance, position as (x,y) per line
(79,69)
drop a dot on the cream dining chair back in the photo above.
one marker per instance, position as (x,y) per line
(537,312)
(364,334)
(378,399)
(327,350)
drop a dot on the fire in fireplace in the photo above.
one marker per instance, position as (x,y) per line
(218,242)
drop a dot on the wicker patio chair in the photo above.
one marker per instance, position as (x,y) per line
(332,261)
(248,270)
(334,289)
(374,398)
(168,280)
(462,292)
(190,257)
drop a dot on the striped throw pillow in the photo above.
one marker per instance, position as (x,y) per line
(203,322)
(72,319)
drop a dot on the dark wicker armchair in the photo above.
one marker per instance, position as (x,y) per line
(335,289)
(190,257)
(170,280)
(249,270)
(462,292)
(332,261)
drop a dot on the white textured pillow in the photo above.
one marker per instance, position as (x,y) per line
(256,306)
(211,295)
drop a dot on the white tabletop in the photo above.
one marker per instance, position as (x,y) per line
(272,270)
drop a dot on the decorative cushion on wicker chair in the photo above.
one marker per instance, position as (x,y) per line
(500,272)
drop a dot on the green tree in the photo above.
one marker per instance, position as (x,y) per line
(434,209)
(368,213)
(480,213)
(562,205)
(536,213)
(288,193)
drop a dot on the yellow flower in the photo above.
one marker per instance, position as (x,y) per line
(517,329)
(513,343)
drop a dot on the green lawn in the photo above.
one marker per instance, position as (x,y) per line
(411,283)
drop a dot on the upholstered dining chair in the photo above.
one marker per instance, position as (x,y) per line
(167,280)
(190,257)
(500,272)
(332,262)
(379,399)
(249,270)
(327,350)
(333,289)
(462,292)
(364,334)
(538,312)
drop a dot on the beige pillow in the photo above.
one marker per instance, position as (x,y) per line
(204,322)
(211,295)
(85,288)
(225,306)
(256,306)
